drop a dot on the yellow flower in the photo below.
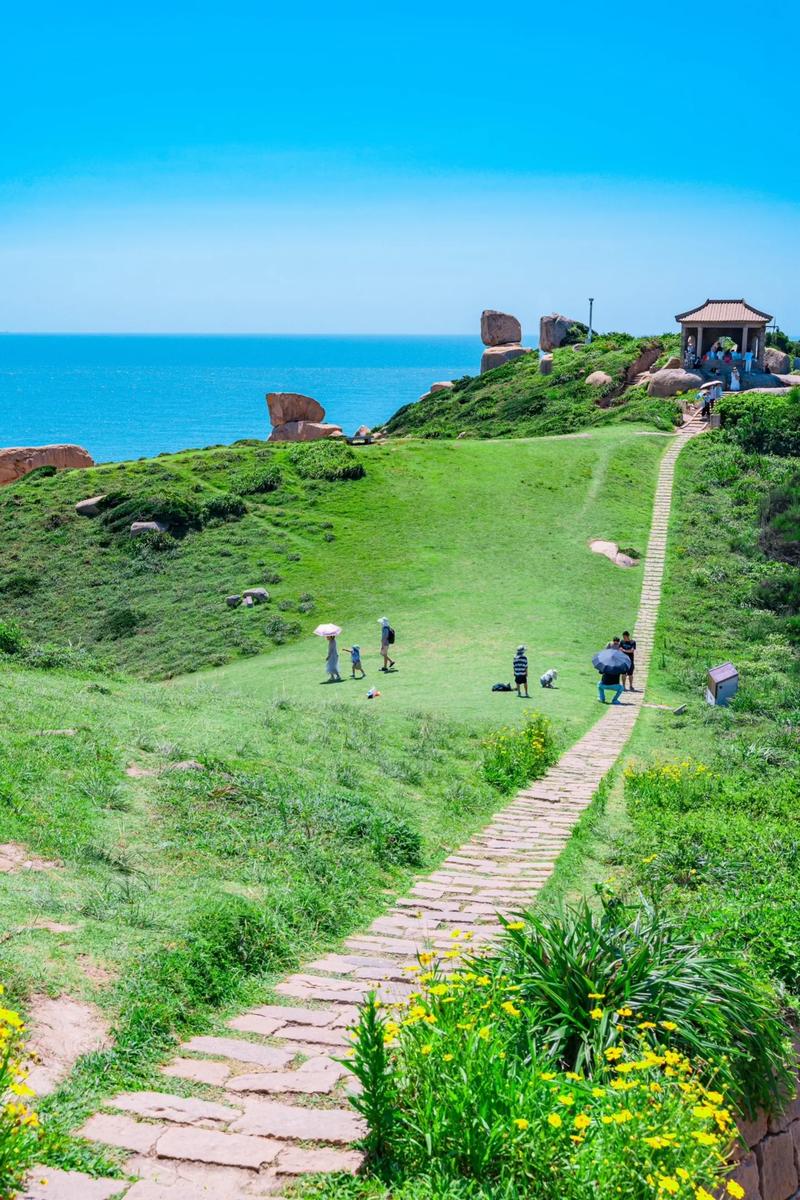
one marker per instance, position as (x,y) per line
(646,1025)
(596,1014)
(426,1049)
(702,1194)
(715,1097)
(624,1012)
(548,1075)
(521,1123)
(623,1116)
(508,1007)
(598,1092)
(668,1183)
(581,1121)
(440,989)
(613,1053)
(515,925)
(597,995)
(734,1189)
(705,1139)
(456,933)
(670,1026)
(566,1098)
(485,1032)
(573,1075)
(651,858)
(555,1120)
(447,1057)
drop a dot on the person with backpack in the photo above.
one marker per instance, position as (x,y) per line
(387,640)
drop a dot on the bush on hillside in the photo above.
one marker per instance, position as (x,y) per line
(226,506)
(780,521)
(20,583)
(328,460)
(12,639)
(121,622)
(259,479)
(516,755)
(180,513)
(762,422)
(46,472)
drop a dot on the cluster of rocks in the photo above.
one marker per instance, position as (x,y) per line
(557,330)
(298,418)
(501,334)
(16,461)
(248,598)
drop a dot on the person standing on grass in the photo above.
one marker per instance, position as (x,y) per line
(387,640)
(628,646)
(355,661)
(521,670)
(332,661)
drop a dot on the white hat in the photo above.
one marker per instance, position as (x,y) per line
(383,620)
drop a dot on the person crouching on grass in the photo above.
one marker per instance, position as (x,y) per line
(521,671)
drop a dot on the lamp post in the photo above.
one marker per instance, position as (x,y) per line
(591,306)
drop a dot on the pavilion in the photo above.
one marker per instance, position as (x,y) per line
(701,328)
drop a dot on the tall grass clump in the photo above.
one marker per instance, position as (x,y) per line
(515,755)
(328,460)
(459,1086)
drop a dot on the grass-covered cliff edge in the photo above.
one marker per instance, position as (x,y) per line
(516,400)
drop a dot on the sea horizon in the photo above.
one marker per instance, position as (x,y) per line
(124,396)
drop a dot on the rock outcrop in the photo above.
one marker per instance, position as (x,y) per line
(17,461)
(599,379)
(90,507)
(298,418)
(545,364)
(790,380)
(445,385)
(495,356)
(293,406)
(557,330)
(499,329)
(777,361)
(304,431)
(673,381)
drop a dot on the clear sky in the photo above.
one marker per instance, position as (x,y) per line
(338,167)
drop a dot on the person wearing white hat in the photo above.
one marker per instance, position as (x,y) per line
(387,639)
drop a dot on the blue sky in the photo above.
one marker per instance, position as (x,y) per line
(327,168)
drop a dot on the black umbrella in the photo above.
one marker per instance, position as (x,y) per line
(611,660)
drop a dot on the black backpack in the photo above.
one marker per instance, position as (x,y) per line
(390,636)
(502,687)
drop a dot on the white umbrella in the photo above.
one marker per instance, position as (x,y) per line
(328,630)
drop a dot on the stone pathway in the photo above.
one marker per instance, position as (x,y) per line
(276,1104)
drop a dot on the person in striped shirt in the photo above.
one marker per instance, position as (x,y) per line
(521,671)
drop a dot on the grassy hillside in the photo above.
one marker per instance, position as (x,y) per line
(515,400)
(468,547)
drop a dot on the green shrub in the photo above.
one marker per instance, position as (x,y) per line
(264,477)
(780,521)
(453,1089)
(761,422)
(19,1124)
(179,513)
(328,460)
(121,622)
(12,639)
(225,507)
(514,756)
(20,583)
(37,473)
(589,980)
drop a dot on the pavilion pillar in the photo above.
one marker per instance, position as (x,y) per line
(744,340)
(700,341)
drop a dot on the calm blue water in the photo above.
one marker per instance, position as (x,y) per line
(128,396)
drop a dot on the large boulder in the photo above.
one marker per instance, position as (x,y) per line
(790,380)
(444,385)
(499,329)
(545,364)
(140,527)
(673,381)
(760,381)
(17,461)
(557,330)
(776,361)
(91,507)
(599,379)
(495,356)
(645,361)
(304,431)
(293,406)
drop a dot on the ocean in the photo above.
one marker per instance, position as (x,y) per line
(132,396)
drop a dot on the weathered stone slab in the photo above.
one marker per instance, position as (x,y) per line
(48,1183)
(308,1083)
(313,1035)
(240,1051)
(253,1023)
(296,1161)
(297,1015)
(213,1146)
(200,1070)
(776,1164)
(164,1107)
(267,1118)
(114,1130)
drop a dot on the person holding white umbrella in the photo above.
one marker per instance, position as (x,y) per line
(330,632)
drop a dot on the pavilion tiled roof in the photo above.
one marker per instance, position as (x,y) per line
(725,312)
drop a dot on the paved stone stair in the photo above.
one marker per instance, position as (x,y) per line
(280,1100)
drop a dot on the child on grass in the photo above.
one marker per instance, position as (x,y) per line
(355,661)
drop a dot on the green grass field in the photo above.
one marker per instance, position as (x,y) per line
(470,548)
